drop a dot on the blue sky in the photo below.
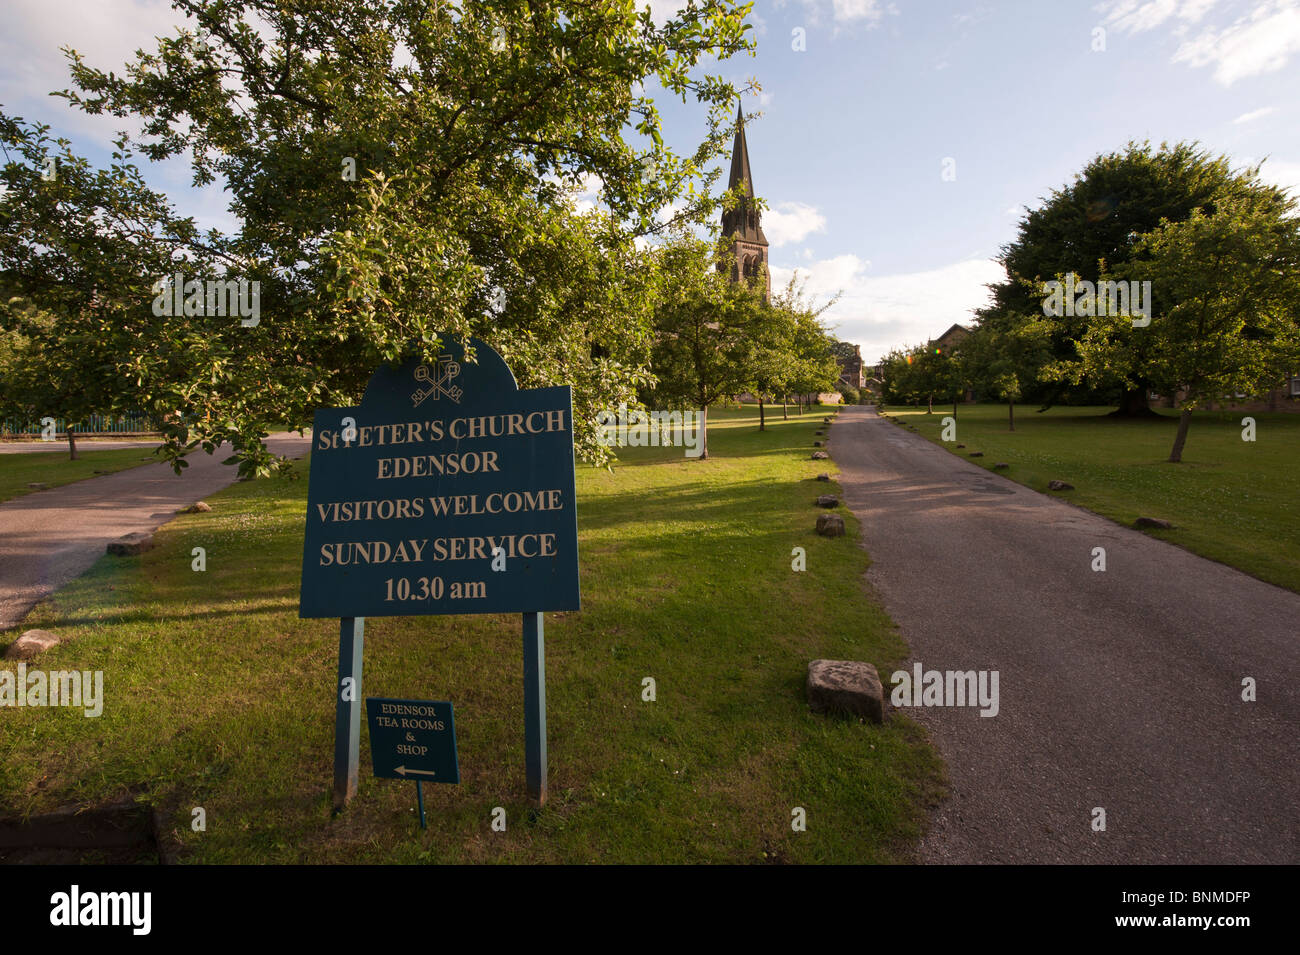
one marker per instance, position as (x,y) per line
(854,131)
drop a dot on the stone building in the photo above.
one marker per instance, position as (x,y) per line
(950,339)
(851,369)
(741,224)
(1284,397)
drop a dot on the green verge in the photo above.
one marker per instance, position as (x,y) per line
(19,469)
(219,697)
(1230,500)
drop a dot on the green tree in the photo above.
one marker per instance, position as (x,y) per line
(1096,222)
(402,170)
(1229,285)
(771,359)
(703,329)
(919,373)
(900,381)
(933,374)
(79,250)
(1002,358)
(815,368)
(842,350)
(812,363)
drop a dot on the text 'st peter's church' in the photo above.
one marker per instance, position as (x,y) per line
(741,224)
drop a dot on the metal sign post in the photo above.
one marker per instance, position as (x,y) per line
(535,706)
(347,713)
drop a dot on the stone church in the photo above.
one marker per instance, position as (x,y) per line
(743,227)
(741,224)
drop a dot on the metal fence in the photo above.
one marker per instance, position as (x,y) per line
(93,425)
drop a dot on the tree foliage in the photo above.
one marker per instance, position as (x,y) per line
(715,338)
(1096,225)
(79,250)
(404,169)
(1229,322)
(704,328)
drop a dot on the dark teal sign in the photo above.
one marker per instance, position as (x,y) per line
(448,490)
(413,739)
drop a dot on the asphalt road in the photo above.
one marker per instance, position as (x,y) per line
(50,537)
(1119,689)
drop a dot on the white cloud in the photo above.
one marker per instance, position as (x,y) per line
(791,222)
(857,10)
(1260,42)
(210,208)
(979,13)
(849,11)
(1132,16)
(1254,115)
(107,35)
(1193,10)
(668,212)
(1282,173)
(586,195)
(888,311)
(661,11)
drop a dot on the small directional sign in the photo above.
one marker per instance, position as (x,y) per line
(413,739)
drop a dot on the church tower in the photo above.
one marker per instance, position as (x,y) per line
(741,224)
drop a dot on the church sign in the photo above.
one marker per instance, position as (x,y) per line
(447,490)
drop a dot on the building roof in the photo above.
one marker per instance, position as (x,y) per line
(742,221)
(957,331)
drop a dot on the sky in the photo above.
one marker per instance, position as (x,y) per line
(897,144)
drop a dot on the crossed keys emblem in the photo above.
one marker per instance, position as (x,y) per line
(447,370)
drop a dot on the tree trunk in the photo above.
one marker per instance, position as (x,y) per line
(929,404)
(1134,403)
(762,421)
(1184,420)
(704,430)
(72,445)
(1011,414)
(785,412)
(954,406)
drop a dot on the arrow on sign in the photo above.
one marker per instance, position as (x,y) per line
(417,772)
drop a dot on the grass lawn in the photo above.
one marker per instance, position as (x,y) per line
(19,469)
(1230,500)
(218,695)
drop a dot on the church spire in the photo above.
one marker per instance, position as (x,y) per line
(740,155)
(743,220)
(741,224)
